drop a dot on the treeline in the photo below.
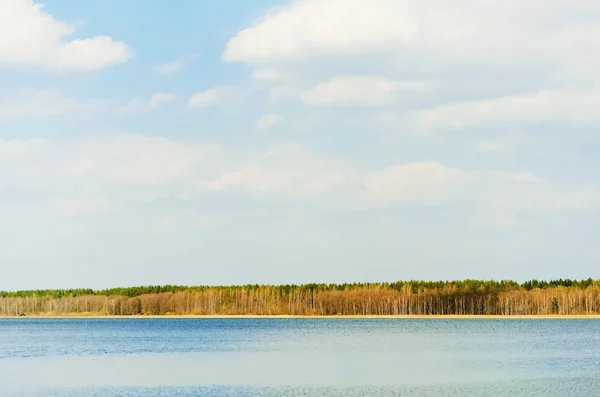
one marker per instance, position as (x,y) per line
(467,297)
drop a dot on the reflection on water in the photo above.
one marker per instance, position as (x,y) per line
(299,357)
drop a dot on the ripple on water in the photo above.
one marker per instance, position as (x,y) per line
(299,357)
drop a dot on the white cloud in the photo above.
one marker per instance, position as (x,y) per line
(123,169)
(433,183)
(206,98)
(585,198)
(314,27)
(31,37)
(173,67)
(430,36)
(21,148)
(47,104)
(266,74)
(156,100)
(213,97)
(134,160)
(360,90)
(413,184)
(267,121)
(133,167)
(52,104)
(283,170)
(558,106)
(168,68)
(160,99)
(93,176)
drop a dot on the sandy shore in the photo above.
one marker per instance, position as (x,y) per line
(481,317)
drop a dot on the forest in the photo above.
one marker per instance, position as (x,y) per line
(467,297)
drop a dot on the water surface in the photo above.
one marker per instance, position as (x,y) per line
(299,357)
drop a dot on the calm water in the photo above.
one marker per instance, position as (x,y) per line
(299,357)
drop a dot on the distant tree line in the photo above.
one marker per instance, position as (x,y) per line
(467,297)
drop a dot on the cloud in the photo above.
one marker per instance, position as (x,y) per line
(267,121)
(133,160)
(156,100)
(288,170)
(21,148)
(266,74)
(47,104)
(584,198)
(206,98)
(168,68)
(125,169)
(159,99)
(360,90)
(314,27)
(40,104)
(434,184)
(173,67)
(213,97)
(97,175)
(415,183)
(437,36)
(565,106)
(31,37)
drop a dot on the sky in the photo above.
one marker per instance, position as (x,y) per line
(276,141)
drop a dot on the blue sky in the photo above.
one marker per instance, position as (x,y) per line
(297,141)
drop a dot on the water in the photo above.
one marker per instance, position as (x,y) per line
(299,357)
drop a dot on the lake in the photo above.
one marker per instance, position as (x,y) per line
(299,357)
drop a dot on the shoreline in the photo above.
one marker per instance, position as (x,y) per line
(407,317)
